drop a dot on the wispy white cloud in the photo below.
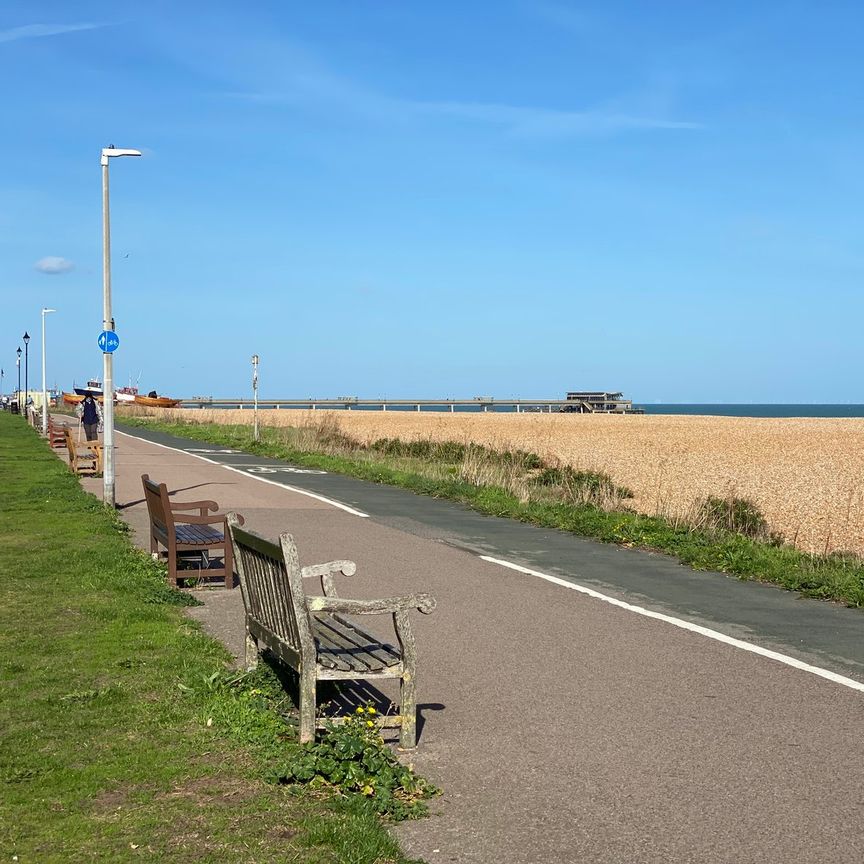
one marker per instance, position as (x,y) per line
(552,123)
(37,31)
(282,73)
(53,264)
(516,120)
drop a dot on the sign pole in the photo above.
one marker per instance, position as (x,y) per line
(107,357)
(255,393)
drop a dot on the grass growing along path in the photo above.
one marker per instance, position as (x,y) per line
(123,736)
(440,471)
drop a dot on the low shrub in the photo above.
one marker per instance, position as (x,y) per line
(352,758)
(737,516)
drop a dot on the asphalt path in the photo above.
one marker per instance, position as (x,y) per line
(816,632)
(563,727)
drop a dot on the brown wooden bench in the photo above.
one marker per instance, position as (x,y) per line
(310,633)
(188,539)
(85,458)
(56,436)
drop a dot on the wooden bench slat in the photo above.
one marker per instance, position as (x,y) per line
(198,534)
(344,646)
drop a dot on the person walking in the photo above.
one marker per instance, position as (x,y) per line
(90,414)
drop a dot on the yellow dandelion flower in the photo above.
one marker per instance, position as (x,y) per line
(371,710)
(368,790)
(361,710)
(370,723)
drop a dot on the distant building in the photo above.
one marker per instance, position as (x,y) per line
(599,402)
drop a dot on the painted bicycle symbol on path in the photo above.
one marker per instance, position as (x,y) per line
(285,469)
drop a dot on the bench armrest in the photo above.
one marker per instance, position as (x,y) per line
(215,519)
(424,602)
(203,506)
(326,571)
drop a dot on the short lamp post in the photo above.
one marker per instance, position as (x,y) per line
(255,433)
(18,365)
(44,387)
(26,368)
(108,324)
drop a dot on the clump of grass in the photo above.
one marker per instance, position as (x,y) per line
(736,516)
(584,487)
(445,451)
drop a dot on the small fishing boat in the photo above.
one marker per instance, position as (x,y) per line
(156,401)
(94,388)
(76,398)
(125,394)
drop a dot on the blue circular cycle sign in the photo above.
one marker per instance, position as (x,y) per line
(108,341)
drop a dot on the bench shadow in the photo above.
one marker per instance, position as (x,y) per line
(170,494)
(338,698)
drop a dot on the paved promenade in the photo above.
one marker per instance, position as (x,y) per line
(561,727)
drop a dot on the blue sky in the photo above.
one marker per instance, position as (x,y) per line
(386,198)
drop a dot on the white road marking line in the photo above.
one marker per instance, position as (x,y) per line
(686,625)
(299,491)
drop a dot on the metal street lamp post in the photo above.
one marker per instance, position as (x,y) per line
(18,364)
(44,388)
(255,433)
(26,368)
(108,324)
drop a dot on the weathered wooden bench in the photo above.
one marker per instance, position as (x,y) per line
(188,537)
(310,633)
(83,458)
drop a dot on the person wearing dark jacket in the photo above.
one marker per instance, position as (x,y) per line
(90,414)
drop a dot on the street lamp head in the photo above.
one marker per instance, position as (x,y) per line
(110,152)
(18,352)
(26,338)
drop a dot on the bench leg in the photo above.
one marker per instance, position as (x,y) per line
(307,706)
(408,711)
(251,652)
(228,561)
(408,686)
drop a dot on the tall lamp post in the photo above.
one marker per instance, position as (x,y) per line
(26,368)
(255,433)
(44,388)
(108,324)
(18,364)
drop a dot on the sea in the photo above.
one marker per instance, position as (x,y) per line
(755,410)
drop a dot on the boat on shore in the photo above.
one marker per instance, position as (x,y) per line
(94,388)
(125,394)
(76,398)
(156,401)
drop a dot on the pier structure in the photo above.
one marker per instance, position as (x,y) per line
(483,404)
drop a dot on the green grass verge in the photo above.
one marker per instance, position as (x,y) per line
(837,577)
(123,735)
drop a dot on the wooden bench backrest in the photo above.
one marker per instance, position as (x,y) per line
(158,504)
(272,587)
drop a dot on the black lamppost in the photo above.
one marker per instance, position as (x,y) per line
(18,364)
(26,368)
